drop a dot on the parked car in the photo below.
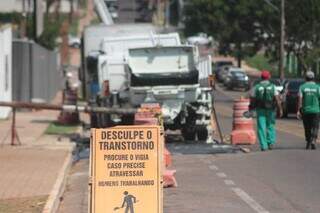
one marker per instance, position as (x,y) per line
(74,42)
(112,6)
(222,73)
(218,65)
(113,12)
(290,96)
(237,78)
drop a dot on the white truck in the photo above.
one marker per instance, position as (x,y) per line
(114,56)
(170,76)
(92,38)
(107,74)
(130,69)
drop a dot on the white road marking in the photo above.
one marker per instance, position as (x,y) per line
(221,175)
(229,182)
(213,167)
(249,200)
(79,174)
(221,146)
(207,161)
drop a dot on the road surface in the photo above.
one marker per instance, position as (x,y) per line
(282,180)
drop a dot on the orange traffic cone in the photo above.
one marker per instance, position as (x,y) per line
(243,128)
(148,114)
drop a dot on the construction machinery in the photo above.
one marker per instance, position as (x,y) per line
(170,76)
(127,65)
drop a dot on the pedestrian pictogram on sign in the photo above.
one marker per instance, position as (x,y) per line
(128,203)
(126,164)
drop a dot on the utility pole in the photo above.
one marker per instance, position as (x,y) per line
(167,13)
(282,40)
(38,18)
(23,24)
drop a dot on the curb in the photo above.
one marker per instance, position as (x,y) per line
(53,201)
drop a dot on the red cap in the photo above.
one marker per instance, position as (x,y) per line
(265,74)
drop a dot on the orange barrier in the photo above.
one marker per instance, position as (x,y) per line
(243,128)
(150,114)
(167,157)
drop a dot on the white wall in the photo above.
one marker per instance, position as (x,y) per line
(5,69)
(10,5)
(17,5)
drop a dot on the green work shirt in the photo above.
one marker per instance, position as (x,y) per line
(258,90)
(310,93)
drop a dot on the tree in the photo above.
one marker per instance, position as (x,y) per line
(235,24)
(303,31)
(49,3)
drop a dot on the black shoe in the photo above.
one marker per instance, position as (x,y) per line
(263,150)
(313,146)
(308,145)
(270,146)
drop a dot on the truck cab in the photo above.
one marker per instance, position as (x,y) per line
(170,76)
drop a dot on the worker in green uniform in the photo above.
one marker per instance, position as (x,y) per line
(265,99)
(308,105)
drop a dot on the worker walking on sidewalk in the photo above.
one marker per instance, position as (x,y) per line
(308,109)
(265,99)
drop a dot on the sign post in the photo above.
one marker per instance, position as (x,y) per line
(126,170)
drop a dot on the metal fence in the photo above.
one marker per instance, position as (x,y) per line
(35,72)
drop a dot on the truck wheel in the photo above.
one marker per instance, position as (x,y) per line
(106,120)
(127,120)
(202,133)
(93,120)
(189,134)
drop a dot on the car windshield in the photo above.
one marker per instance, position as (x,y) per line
(238,73)
(224,63)
(294,85)
(275,82)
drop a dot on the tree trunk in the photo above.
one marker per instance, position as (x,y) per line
(239,59)
(239,53)
(71,11)
(57,9)
(48,6)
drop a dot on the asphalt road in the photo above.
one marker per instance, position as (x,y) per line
(282,180)
(209,180)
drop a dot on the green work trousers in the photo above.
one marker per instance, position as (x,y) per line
(266,122)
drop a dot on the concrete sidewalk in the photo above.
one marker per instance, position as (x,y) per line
(35,169)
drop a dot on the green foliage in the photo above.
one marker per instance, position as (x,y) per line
(50,33)
(13,17)
(243,26)
(74,26)
(260,62)
(303,30)
(58,129)
(264,62)
(234,24)
(83,4)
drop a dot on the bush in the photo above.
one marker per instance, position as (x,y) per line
(13,17)
(261,62)
(49,35)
